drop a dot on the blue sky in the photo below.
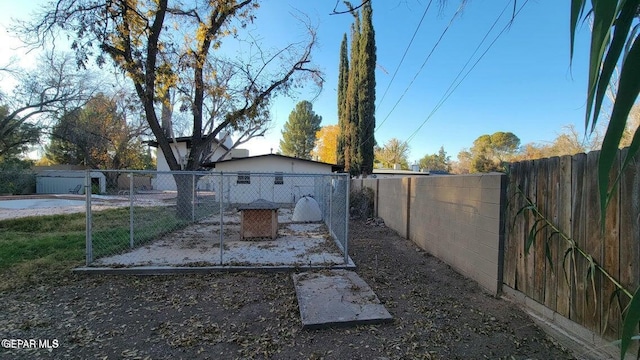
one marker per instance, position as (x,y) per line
(524,84)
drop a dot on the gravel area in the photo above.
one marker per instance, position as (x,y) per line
(99,202)
(57,210)
(438,314)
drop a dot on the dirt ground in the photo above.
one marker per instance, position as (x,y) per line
(438,314)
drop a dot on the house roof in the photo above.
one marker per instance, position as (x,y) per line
(184,139)
(260,204)
(334,167)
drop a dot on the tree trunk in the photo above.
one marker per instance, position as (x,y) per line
(165,117)
(185,184)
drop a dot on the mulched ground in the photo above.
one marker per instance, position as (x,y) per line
(438,314)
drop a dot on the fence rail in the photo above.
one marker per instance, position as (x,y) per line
(200,218)
(565,191)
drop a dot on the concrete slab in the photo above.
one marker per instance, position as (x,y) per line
(337,298)
(297,246)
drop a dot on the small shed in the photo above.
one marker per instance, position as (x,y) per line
(258,219)
(67,181)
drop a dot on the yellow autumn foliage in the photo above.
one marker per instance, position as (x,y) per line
(326,146)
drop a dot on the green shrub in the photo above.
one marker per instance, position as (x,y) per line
(16,178)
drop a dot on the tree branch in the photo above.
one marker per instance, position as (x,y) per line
(349,6)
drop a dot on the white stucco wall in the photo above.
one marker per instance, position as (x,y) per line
(261,171)
(263,186)
(270,164)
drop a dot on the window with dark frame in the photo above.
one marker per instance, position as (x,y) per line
(279,180)
(244,177)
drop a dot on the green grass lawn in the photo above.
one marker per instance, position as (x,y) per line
(37,247)
(111,230)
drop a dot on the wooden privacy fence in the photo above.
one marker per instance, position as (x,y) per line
(565,191)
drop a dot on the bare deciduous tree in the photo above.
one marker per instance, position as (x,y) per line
(40,95)
(164,46)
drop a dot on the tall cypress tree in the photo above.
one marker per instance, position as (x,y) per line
(351,158)
(356,97)
(367,92)
(343,78)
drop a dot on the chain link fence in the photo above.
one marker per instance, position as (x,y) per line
(142,218)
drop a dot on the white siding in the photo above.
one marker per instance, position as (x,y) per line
(261,186)
(264,187)
(267,164)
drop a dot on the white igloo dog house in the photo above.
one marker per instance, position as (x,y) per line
(307,210)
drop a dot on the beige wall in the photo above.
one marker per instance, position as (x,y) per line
(139,182)
(455,218)
(393,204)
(356,184)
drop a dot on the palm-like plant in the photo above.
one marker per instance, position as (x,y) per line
(614,42)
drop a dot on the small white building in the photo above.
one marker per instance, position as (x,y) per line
(68,181)
(272,177)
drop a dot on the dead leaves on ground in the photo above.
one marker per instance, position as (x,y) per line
(437,314)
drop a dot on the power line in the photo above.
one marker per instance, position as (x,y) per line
(448,93)
(405,52)
(422,66)
(486,35)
